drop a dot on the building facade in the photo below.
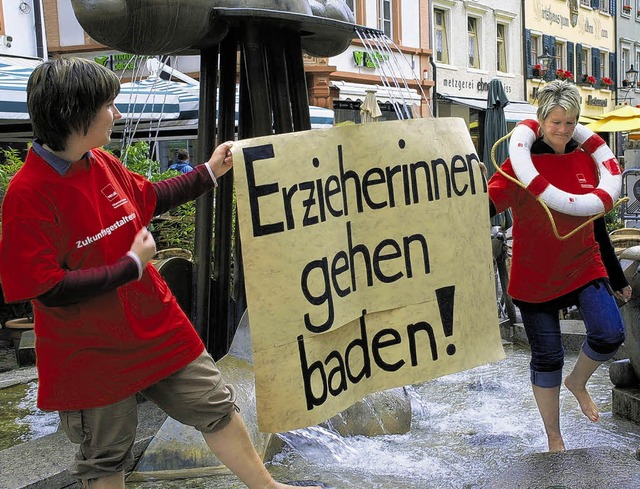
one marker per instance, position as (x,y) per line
(398,71)
(574,40)
(628,35)
(22,29)
(473,43)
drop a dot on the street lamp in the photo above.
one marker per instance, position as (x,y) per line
(545,63)
(632,76)
(544,60)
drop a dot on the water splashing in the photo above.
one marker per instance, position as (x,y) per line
(390,72)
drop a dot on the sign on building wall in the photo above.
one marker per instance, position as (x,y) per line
(121,62)
(367,263)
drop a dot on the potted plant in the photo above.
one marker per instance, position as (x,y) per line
(588,80)
(626,9)
(564,75)
(536,70)
(607,82)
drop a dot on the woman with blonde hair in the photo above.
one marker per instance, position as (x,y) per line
(549,274)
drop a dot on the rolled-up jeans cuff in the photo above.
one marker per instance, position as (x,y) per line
(594,355)
(546,379)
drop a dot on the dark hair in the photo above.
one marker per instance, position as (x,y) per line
(64,95)
(182,154)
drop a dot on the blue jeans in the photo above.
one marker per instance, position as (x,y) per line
(605,333)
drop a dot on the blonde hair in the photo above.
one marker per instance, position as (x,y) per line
(558,93)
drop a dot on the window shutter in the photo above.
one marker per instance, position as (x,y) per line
(595,4)
(570,51)
(527,52)
(613,69)
(553,65)
(578,61)
(595,62)
(612,8)
(546,44)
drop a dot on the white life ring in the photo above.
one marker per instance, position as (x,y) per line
(601,199)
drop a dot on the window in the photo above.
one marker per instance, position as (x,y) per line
(472,33)
(604,6)
(604,72)
(561,56)
(535,49)
(624,63)
(385,21)
(626,7)
(585,3)
(350,4)
(501,48)
(440,26)
(584,62)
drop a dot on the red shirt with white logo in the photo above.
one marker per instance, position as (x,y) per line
(108,347)
(544,267)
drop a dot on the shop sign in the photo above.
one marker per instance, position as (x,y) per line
(479,85)
(597,102)
(367,59)
(121,62)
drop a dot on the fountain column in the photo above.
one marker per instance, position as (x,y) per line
(625,374)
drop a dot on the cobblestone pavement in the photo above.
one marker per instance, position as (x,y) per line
(7,352)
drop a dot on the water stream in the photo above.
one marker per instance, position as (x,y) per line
(466,427)
(20,419)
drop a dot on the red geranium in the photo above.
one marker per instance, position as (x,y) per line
(564,74)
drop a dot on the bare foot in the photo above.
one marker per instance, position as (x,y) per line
(584,399)
(556,444)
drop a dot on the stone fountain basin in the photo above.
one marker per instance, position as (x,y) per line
(630,261)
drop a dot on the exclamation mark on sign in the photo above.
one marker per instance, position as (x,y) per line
(445,296)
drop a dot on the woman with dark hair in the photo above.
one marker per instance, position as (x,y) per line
(75,243)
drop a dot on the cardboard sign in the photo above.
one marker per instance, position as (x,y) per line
(367,261)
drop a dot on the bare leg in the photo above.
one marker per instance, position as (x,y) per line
(115,481)
(233,447)
(548,400)
(576,382)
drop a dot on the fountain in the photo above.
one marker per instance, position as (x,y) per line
(625,374)
(456,441)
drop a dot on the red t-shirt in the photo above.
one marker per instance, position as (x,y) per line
(101,350)
(544,267)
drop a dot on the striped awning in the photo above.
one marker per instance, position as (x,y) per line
(14,74)
(151,99)
(158,99)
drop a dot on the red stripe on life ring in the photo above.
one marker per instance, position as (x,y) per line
(592,144)
(538,185)
(531,124)
(612,165)
(605,198)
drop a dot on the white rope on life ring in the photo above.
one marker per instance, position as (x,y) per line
(601,200)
